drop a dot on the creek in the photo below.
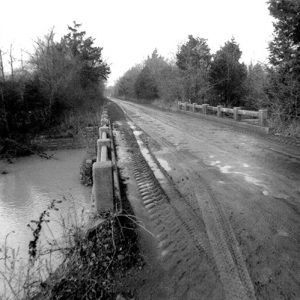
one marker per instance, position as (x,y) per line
(27,187)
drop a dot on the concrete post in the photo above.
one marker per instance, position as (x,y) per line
(262,117)
(236,115)
(100,143)
(194,107)
(204,108)
(103,185)
(103,129)
(185,106)
(219,111)
(104,121)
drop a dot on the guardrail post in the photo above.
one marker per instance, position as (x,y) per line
(104,120)
(103,185)
(194,107)
(103,129)
(219,111)
(262,117)
(236,115)
(204,108)
(100,143)
(185,106)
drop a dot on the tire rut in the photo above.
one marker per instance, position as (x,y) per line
(232,268)
(222,238)
(182,256)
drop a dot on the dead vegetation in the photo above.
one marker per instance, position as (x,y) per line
(98,262)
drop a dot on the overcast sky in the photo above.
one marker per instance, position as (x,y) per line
(129,30)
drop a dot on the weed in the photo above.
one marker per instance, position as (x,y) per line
(36,227)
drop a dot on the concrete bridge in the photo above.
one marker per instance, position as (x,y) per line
(222,201)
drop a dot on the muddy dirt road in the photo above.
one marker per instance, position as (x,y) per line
(229,216)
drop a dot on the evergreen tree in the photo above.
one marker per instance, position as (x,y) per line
(227,74)
(145,85)
(89,57)
(193,59)
(125,86)
(284,89)
(255,85)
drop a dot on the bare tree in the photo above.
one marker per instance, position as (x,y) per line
(3,111)
(1,65)
(22,60)
(50,65)
(11,61)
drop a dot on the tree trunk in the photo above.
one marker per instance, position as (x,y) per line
(4,112)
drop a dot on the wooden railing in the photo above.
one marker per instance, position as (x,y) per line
(220,111)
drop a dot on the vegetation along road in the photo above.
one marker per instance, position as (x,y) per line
(227,225)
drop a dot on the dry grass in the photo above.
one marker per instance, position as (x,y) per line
(20,277)
(84,264)
(285,127)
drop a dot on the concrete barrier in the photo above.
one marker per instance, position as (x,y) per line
(260,117)
(103,185)
(236,115)
(103,179)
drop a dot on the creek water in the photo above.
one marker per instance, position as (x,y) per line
(28,188)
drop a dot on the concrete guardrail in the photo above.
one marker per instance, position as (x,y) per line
(106,187)
(260,117)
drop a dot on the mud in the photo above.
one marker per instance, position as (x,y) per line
(243,190)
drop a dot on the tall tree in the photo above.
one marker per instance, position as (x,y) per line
(227,74)
(255,85)
(145,85)
(193,59)
(93,68)
(125,86)
(49,65)
(69,70)
(285,57)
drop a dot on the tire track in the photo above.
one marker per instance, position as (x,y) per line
(230,263)
(227,253)
(181,254)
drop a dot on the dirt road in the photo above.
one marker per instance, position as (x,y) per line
(230,214)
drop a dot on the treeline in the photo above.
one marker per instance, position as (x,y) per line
(197,75)
(59,77)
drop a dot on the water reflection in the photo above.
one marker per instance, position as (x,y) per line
(30,185)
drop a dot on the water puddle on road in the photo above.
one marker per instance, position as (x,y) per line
(227,169)
(137,132)
(164,164)
(266,191)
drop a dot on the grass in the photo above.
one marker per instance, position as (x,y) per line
(285,127)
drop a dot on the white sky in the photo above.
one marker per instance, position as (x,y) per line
(129,30)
